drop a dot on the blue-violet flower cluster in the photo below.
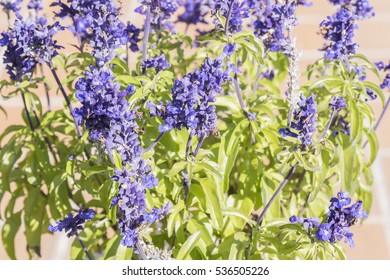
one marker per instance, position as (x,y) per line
(28,43)
(273,19)
(73,224)
(97,23)
(192,100)
(385,68)
(160,11)
(36,5)
(340,217)
(339,30)
(158,63)
(361,8)
(109,119)
(195,11)
(234,11)
(10,6)
(304,124)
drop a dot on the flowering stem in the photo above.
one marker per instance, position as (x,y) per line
(200,143)
(146,40)
(188,147)
(380,119)
(78,36)
(239,96)
(228,17)
(141,252)
(155,142)
(327,126)
(256,83)
(282,185)
(89,256)
(66,98)
(46,88)
(300,180)
(8,19)
(293,72)
(27,112)
(128,54)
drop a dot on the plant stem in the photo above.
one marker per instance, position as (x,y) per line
(280,188)
(327,126)
(155,142)
(380,119)
(238,93)
(293,71)
(128,54)
(200,143)
(300,180)
(141,252)
(27,112)
(46,88)
(228,17)
(89,256)
(146,40)
(66,99)
(78,35)
(8,19)
(188,147)
(256,84)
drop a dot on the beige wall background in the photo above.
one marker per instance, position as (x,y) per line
(373,237)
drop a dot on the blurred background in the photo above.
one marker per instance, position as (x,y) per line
(372,239)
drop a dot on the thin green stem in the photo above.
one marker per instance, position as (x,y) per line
(66,99)
(280,188)
(89,256)
(200,143)
(146,40)
(327,126)
(256,84)
(228,17)
(27,112)
(155,142)
(46,88)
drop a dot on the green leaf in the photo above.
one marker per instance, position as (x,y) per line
(347,165)
(188,246)
(124,253)
(356,121)
(237,133)
(9,231)
(332,81)
(213,202)
(177,167)
(9,155)
(10,129)
(374,146)
(92,170)
(122,64)
(236,213)
(117,160)
(34,213)
(112,247)
(229,102)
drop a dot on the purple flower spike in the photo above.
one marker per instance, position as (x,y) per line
(337,103)
(72,224)
(305,122)
(340,218)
